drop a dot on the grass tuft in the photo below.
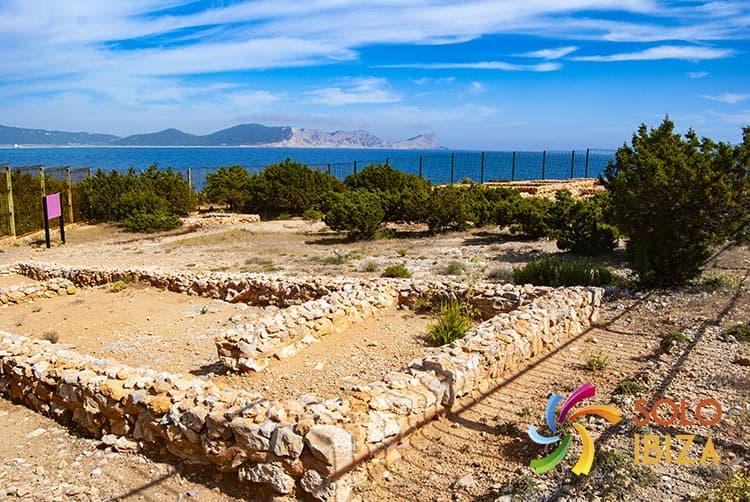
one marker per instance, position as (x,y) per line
(554,272)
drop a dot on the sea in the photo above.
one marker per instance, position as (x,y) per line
(438,166)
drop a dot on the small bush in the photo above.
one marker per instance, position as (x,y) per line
(452,325)
(369,266)
(500,274)
(402,252)
(740,332)
(596,360)
(580,225)
(735,489)
(449,209)
(358,212)
(229,185)
(670,339)
(629,387)
(404,196)
(532,218)
(312,215)
(397,271)
(51,336)
(454,268)
(148,222)
(555,272)
(336,259)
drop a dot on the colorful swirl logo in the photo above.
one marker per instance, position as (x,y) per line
(583,465)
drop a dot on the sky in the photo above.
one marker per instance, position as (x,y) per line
(481,75)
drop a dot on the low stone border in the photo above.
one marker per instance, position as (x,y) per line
(307,443)
(253,340)
(30,292)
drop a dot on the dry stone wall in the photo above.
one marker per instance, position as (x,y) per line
(302,443)
(45,289)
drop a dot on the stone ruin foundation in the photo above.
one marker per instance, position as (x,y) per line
(296,444)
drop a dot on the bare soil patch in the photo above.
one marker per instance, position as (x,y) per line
(137,326)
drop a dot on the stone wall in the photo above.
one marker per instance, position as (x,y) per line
(44,289)
(303,443)
(253,340)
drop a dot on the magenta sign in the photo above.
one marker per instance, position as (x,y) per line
(54,209)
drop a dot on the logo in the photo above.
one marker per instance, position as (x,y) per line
(586,459)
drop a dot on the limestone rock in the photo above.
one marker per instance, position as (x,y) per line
(332,445)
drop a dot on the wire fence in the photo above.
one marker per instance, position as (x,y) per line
(22,188)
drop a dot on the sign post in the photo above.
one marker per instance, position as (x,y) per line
(52,210)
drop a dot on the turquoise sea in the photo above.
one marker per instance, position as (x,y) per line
(439,166)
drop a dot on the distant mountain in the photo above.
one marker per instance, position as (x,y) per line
(241,135)
(315,138)
(18,136)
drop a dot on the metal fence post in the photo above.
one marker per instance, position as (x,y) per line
(420,166)
(572,163)
(190,178)
(69,190)
(544,162)
(386,162)
(328,170)
(453,162)
(481,172)
(355,167)
(513,167)
(9,198)
(88,172)
(586,172)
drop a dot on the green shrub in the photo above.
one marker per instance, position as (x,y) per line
(532,217)
(500,274)
(229,185)
(629,388)
(449,208)
(336,259)
(596,360)
(670,339)
(313,215)
(402,252)
(492,205)
(454,268)
(358,212)
(290,187)
(150,222)
(147,203)
(674,198)
(740,332)
(734,489)
(551,271)
(403,196)
(172,187)
(580,225)
(397,271)
(452,325)
(369,266)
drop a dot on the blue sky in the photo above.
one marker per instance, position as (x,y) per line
(494,75)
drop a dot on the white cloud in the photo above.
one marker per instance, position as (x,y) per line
(476,87)
(433,81)
(727,97)
(550,53)
(355,92)
(690,53)
(482,65)
(697,74)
